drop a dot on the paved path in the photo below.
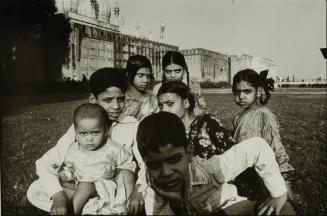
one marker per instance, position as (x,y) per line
(278,91)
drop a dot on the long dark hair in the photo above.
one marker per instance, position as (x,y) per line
(256,80)
(136,62)
(174,57)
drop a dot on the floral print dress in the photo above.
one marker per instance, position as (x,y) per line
(207,136)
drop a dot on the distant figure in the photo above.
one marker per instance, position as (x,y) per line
(251,93)
(174,69)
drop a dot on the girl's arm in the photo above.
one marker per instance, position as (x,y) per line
(270,133)
(129,181)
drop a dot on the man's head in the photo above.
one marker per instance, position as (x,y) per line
(107,88)
(163,146)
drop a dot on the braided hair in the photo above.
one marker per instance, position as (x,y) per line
(256,80)
(174,57)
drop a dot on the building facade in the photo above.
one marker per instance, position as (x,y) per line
(95,42)
(207,65)
(256,63)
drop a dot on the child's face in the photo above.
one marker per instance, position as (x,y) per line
(90,133)
(245,95)
(173,103)
(168,168)
(113,101)
(142,79)
(174,72)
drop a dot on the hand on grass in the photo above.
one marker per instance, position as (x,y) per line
(271,205)
(61,204)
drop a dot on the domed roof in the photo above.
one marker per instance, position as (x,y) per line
(85,8)
(65,6)
(104,10)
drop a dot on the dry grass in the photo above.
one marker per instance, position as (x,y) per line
(31,130)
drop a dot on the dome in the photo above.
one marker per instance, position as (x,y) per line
(104,10)
(85,8)
(65,6)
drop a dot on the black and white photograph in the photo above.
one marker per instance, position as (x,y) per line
(163,107)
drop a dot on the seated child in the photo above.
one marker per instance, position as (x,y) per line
(252,93)
(181,185)
(84,163)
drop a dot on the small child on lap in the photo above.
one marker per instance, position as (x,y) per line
(85,170)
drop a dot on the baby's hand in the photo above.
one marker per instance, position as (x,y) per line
(66,174)
(110,171)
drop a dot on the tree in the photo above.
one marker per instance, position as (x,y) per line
(32,35)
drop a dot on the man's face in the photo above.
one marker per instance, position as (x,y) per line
(169,168)
(113,101)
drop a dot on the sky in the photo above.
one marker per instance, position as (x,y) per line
(289,32)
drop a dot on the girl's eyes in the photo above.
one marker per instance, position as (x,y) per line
(96,133)
(93,133)
(82,134)
(107,100)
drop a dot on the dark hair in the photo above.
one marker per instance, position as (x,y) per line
(256,81)
(104,78)
(179,88)
(90,110)
(174,57)
(136,62)
(160,129)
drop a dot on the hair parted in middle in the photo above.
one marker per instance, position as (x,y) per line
(158,130)
(135,63)
(174,57)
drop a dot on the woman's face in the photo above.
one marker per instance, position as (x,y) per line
(142,79)
(174,72)
(173,103)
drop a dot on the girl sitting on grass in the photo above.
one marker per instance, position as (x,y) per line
(206,135)
(251,93)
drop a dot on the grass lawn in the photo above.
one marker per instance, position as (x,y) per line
(28,132)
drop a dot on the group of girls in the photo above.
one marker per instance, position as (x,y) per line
(206,135)
(175,94)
